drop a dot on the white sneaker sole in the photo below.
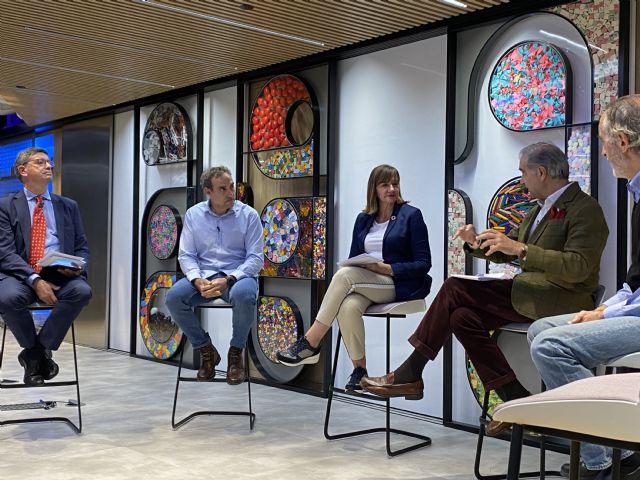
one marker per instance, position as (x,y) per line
(305,361)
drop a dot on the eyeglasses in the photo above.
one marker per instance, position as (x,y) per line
(41,162)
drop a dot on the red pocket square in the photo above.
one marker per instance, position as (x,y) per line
(557,213)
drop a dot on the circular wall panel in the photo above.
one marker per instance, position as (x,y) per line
(166,135)
(279,325)
(528,87)
(161,335)
(509,205)
(163,231)
(281,230)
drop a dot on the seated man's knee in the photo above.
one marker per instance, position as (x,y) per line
(79,293)
(173,298)
(244,293)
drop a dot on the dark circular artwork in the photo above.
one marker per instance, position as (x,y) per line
(163,231)
(161,335)
(528,87)
(281,230)
(509,205)
(166,135)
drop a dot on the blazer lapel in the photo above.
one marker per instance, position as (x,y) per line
(59,214)
(566,197)
(523,233)
(392,222)
(24,219)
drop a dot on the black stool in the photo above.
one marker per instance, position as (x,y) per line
(250,414)
(76,427)
(388,311)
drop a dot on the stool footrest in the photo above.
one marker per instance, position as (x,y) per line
(50,384)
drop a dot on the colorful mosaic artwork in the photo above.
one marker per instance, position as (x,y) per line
(288,163)
(163,231)
(295,237)
(509,206)
(279,325)
(579,156)
(527,89)
(275,154)
(161,335)
(478,388)
(457,217)
(599,22)
(166,135)
(319,237)
(281,231)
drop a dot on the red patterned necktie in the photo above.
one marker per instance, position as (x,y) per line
(38,234)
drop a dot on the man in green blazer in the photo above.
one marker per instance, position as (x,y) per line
(558,246)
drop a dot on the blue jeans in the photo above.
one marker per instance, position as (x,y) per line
(564,353)
(183,297)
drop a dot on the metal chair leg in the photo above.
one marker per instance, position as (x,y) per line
(515,453)
(175,425)
(425,441)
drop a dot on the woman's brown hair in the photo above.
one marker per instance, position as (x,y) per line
(381,174)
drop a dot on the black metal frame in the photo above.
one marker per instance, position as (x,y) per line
(515,450)
(75,427)
(252,416)
(425,441)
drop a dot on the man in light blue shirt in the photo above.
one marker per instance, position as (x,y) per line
(566,348)
(221,254)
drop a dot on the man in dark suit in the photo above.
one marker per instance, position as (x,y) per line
(558,246)
(34,222)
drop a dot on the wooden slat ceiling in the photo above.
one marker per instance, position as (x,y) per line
(64,57)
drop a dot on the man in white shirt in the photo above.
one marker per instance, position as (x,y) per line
(566,348)
(221,254)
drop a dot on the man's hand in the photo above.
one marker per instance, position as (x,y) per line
(467,234)
(498,242)
(45,291)
(210,289)
(589,315)
(70,272)
(380,267)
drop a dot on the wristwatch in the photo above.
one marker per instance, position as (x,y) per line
(523,253)
(230,280)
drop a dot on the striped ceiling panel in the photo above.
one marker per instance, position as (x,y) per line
(63,57)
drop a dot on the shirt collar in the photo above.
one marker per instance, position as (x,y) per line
(634,187)
(30,195)
(232,211)
(551,199)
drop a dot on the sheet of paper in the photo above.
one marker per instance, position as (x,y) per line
(359,260)
(484,277)
(58,259)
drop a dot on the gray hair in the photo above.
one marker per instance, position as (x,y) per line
(213,172)
(623,116)
(549,156)
(24,156)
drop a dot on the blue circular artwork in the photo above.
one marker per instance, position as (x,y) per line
(528,87)
(281,230)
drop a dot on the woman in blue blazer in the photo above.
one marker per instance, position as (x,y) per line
(388,229)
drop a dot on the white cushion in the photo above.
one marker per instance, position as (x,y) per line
(215,303)
(607,406)
(632,361)
(397,308)
(516,327)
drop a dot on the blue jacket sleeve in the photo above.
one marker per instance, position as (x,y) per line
(421,263)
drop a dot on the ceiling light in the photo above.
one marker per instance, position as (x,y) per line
(85,72)
(231,23)
(81,39)
(455,3)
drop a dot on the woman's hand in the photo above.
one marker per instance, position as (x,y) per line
(380,267)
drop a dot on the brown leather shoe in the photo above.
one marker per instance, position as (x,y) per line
(495,427)
(235,366)
(384,387)
(209,358)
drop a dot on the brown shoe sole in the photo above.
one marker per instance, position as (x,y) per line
(393,391)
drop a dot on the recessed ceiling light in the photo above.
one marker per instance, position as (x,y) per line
(231,23)
(455,3)
(246,6)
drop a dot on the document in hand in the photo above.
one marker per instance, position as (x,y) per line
(59,259)
(359,260)
(484,277)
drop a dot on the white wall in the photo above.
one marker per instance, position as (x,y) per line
(120,288)
(391,108)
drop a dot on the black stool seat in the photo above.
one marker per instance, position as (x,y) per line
(252,416)
(76,427)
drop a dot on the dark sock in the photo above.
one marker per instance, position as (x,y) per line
(411,369)
(512,391)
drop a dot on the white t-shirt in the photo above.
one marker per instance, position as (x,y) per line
(373,240)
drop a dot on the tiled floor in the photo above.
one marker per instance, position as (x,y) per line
(127,432)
